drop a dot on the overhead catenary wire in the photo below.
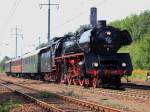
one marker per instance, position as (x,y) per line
(79,15)
(17,34)
(10,15)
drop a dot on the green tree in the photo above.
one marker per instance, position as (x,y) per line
(144,52)
(2,63)
(137,25)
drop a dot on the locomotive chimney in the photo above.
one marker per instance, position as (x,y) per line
(101,23)
(93,17)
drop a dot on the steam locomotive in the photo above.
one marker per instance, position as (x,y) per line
(88,58)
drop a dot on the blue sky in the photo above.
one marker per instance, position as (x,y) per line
(27,15)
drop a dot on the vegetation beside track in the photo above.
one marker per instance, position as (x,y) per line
(139,27)
(8,104)
(1,70)
(46,94)
(2,63)
(108,102)
(71,93)
(138,74)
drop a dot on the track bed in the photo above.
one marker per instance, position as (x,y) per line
(16,103)
(127,100)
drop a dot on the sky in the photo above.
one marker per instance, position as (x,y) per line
(31,19)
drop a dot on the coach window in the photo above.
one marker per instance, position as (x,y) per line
(34,60)
(30,60)
(27,60)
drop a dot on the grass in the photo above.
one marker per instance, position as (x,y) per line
(45,94)
(1,69)
(70,93)
(107,102)
(138,75)
(6,105)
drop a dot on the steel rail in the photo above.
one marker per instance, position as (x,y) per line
(93,106)
(42,104)
(128,93)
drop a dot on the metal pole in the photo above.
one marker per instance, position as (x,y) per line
(16,41)
(49,31)
(39,41)
(16,34)
(49,4)
(22,46)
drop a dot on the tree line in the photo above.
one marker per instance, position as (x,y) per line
(139,28)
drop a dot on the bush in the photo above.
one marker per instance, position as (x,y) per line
(8,104)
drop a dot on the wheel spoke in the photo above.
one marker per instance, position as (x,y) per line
(94,82)
(81,82)
(69,81)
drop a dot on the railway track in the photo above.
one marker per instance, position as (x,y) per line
(140,92)
(134,85)
(128,93)
(10,101)
(56,102)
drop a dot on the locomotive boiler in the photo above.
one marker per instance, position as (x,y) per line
(106,39)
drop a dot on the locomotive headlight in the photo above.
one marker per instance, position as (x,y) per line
(81,63)
(95,64)
(108,33)
(124,64)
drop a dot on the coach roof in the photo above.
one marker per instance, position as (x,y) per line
(35,52)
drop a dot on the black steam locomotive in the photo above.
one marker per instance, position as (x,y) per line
(88,58)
